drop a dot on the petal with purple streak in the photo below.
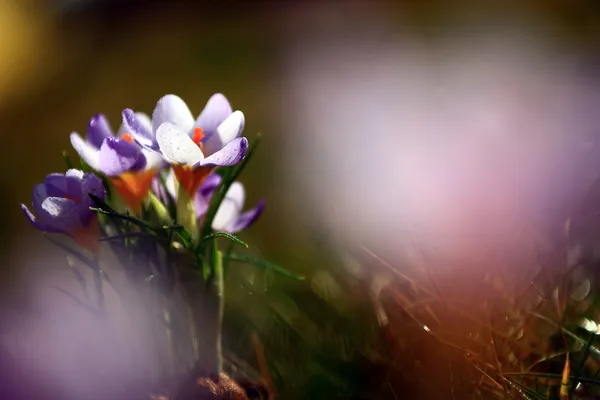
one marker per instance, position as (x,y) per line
(98,129)
(138,125)
(231,154)
(176,146)
(118,156)
(171,108)
(247,218)
(37,224)
(89,153)
(200,205)
(217,109)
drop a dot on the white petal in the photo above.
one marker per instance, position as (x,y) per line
(170,182)
(237,194)
(89,153)
(153,159)
(75,173)
(231,128)
(176,146)
(226,216)
(171,108)
(230,208)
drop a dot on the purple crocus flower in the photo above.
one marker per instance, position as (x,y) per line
(130,166)
(193,147)
(229,217)
(63,206)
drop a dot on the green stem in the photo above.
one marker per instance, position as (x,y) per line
(220,283)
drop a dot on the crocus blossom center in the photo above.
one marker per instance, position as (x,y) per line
(191,179)
(133,187)
(198,136)
(127,137)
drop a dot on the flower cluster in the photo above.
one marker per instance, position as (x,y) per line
(170,156)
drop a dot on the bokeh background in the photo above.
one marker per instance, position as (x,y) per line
(459,123)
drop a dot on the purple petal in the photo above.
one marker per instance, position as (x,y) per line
(37,224)
(138,129)
(200,204)
(159,189)
(90,183)
(217,109)
(231,154)
(74,178)
(118,156)
(60,214)
(56,185)
(98,129)
(37,198)
(210,184)
(248,218)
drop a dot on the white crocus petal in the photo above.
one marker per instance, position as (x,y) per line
(74,173)
(176,146)
(170,182)
(153,159)
(89,153)
(171,108)
(231,128)
(230,208)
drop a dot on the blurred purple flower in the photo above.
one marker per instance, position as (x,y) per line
(193,147)
(63,206)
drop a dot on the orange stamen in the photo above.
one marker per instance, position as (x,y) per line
(191,179)
(127,137)
(198,136)
(133,187)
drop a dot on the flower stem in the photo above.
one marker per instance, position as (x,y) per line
(220,289)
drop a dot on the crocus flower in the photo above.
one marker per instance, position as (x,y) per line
(229,217)
(63,206)
(130,167)
(193,147)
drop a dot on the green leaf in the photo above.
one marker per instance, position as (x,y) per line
(67,159)
(103,208)
(263,264)
(159,208)
(233,238)
(84,166)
